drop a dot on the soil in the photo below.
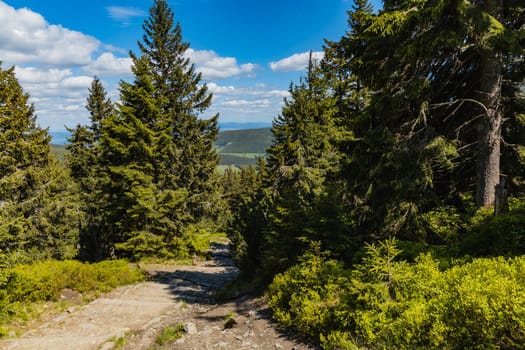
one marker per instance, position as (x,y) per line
(133,317)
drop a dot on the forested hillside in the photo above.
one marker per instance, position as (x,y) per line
(244,141)
(388,213)
(235,147)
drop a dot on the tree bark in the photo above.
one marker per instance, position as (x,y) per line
(489,128)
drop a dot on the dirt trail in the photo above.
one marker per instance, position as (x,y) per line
(131,317)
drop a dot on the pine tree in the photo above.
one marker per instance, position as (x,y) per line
(189,158)
(157,155)
(300,160)
(38,211)
(83,159)
(423,136)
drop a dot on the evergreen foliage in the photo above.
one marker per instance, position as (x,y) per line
(383,303)
(247,201)
(38,205)
(83,159)
(402,130)
(156,156)
(301,165)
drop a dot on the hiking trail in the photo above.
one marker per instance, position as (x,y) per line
(132,317)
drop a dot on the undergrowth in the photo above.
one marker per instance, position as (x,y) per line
(24,286)
(384,303)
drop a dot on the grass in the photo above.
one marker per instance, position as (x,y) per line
(59,151)
(118,342)
(169,335)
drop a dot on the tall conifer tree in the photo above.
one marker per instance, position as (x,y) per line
(189,158)
(300,160)
(38,211)
(157,155)
(83,160)
(439,90)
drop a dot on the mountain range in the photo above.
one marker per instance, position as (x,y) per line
(235,147)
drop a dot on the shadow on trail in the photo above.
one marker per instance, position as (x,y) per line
(196,284)
(249,313)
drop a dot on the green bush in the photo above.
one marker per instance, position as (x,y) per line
(443,225)
(388,304)
(43,281)
(490,235)
(307,295)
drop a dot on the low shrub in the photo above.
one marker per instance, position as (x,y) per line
(490,235)
(170,334)
(43,281)
(388,304)
(308,295)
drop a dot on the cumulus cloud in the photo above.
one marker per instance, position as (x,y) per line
(246,94)
(212,66)
(217,89)
(26,37)
(59,95)
(296,62)
(123,14)
(80,82)
(35,75)
(108,64)
(257,103)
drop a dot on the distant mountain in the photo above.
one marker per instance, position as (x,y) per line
(242,126)
(60,137)
(235,147)
(244,141)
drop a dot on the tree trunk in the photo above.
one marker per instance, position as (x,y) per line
(489,128)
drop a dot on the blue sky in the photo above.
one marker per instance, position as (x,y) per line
(248,51)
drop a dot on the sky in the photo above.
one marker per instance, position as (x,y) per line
(247,51)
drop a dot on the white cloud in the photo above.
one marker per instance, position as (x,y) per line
(123,15)
(257,103)
(212,66)
(51,82)
(59,95)
(108,64)
(55,66)
(36,75)
(26,37)
(296,62)
(82,82)
(279,93)
(217,89)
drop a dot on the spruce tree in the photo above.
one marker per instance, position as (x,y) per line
(83,159)
(456,53)
(157,156)
(141,217)
(38,210)
(300,161)
(188,156)
(422,140)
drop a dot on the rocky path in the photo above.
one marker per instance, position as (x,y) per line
(132,317)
